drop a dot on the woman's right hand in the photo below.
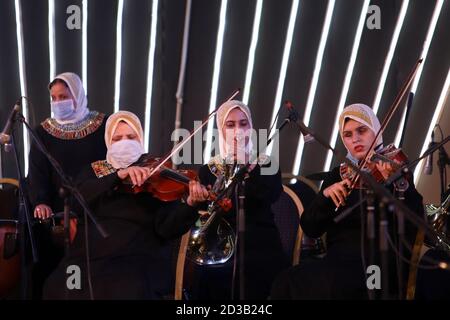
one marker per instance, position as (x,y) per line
(43,211)
(338,192)
(138,175)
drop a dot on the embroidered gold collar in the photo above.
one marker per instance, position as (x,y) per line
(74,131)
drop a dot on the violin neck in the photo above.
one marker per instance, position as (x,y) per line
(378,157)
(175,176)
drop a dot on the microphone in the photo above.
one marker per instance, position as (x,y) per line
(293,116)
(5,135)
(428,170)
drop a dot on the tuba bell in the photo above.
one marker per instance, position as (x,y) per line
(213,240)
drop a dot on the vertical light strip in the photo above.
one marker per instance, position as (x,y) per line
(348,77)
(23,80)
(150,69)
(390,55)
(284,64)
(426,47)
(314,81)
(51,39)
(215,80)
(1,167)
(118,55)
(436,116)
(252,50)
(84,45)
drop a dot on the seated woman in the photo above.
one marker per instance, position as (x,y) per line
(342,273)
(134,261)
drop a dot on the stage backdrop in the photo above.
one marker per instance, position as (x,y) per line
(319,54)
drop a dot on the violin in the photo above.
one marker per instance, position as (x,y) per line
(389,154)
(167,184)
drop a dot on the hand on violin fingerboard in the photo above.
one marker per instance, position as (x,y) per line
(338,192)
(137,175)
(43,211)
(386,169)
(197,193)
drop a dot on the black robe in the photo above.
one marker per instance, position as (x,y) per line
(341,274)
(134,261)
(264,256)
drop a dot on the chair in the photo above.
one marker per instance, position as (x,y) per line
(287,212)
(181,259)
(415,258)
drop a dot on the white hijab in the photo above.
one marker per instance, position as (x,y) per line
(129,153)
(363,114)
(76,88)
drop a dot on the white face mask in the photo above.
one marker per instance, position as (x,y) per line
(123,153)
(63,110)
(241,150)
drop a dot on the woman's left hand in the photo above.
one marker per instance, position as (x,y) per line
(197,193)
(386,169)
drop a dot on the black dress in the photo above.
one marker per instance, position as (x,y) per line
(134,261)
(264,257)
(341,274)
(73,146)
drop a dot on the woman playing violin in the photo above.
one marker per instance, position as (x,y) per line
(357,134)
(134,261)
(264,257)
(341,275)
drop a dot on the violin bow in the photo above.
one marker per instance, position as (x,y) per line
(180,145)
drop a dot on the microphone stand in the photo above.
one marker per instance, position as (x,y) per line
(370,198)
(384,249)
(65,194)
(400,240)
(66,180)
(24,218)
(240,188)
(408,166)
(443,161)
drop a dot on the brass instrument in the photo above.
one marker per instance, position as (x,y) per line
(213,240)
(437,217)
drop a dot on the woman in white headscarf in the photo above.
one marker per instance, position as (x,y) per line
(74,136)
(341,274)
(264,256)
(134,261)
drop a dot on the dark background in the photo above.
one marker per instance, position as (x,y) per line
(101,55)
